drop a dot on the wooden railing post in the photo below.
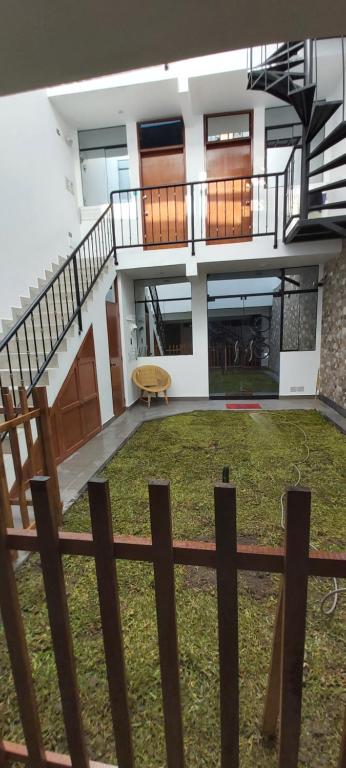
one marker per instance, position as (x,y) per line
(272,700)
(5,504)
(16,457)
(54,583)
(44,430)
(18,653)
(27,430)
(161,531)
(294,623)
(101,520)
(227,599)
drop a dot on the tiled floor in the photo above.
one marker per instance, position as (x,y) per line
(75,472)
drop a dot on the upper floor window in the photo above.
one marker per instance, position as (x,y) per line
(104,163)
(228,127)
(161,133)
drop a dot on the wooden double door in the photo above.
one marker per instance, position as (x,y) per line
(76,413)
(164,208)
(229,201)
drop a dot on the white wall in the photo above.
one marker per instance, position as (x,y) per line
(37,212)
(300,369)
(189,372)
(128,334)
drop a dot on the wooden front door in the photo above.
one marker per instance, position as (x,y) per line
(115,356)
(76,412)
(229,202)
(164,210)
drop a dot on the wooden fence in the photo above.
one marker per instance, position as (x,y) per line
(39,453)
(295,562)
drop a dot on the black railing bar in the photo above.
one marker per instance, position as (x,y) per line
(64,331)
(45,289)
(196,240)
(245,295)
(198,183)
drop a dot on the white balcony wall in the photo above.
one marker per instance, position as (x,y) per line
(39,217)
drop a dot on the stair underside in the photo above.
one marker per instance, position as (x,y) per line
(320,116)
(336,163)
(333,137)
(327,187)
(286,51)
(323,228)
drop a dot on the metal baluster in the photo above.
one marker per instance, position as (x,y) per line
(152,217)
(192,218)
(61,304)
(266,187)
(159,197)
(175,213)
(11,373)
(19,361)
(217,209)
(103,249)
(48,319)
(66,297)
(258,205)
(233,226)
(276,210)
(137,216)
(55,313)
(81,271)
(34,337)
(129,216)
(42,331)
(76,281)
(27,349)
(121,218)
(71,286)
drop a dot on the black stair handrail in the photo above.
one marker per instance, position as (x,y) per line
(56,307)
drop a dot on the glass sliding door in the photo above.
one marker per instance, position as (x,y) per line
(244,325)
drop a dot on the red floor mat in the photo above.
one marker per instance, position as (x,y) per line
(243,406)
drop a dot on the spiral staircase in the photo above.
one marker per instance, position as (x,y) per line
(290,74)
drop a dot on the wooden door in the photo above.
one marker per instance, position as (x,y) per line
(76,412)
(115,356)
(164,210)
(229,202)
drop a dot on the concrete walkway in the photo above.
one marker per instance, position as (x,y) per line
(75,472)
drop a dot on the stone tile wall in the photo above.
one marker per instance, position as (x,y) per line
(333,349)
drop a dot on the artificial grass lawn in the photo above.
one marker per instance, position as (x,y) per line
(191,450)
(238,380)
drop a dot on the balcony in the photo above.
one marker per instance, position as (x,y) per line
(217,211)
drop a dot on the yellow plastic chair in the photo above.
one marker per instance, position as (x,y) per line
(152,380)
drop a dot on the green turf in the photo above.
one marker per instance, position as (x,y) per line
(242,380)
(191,450)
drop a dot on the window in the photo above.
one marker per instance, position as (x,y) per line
(228,127)
(161,133)
(163,317)
(300,309)
(104,163)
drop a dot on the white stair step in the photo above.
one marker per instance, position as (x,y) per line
(21,379)
(39,345)
(35,362)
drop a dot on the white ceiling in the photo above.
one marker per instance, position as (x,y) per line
(44,42)
(142,101)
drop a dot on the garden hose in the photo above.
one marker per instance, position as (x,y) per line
(332,594)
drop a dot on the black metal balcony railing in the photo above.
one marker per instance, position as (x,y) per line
(28,347)
(213,211)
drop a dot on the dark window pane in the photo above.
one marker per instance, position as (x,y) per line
(161,134)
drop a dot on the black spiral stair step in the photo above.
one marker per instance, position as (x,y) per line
(284,67)
(317,229)
(327,206)
(266,80)
(302,99)
(336,163)
(320,116)
(338,133)
(328,187)
(285,52)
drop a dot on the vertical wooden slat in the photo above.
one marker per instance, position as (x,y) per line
(5,504)
(161,531)
(44,430)
(54,582)
(294,622)
(18,652)
(101,520)
(272,700)
(342,758)
(27,430)
(227,600)
(16,457)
